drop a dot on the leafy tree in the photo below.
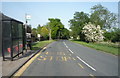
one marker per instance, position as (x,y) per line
(44,32)
(77,23)
(39,29)
(34,34)
(56,26)
(102,16)
(116,36)
(65,33)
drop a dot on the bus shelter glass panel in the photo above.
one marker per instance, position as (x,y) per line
(20,27)
(15,38)
(6,38)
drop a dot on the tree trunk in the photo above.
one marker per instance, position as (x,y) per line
(50,35)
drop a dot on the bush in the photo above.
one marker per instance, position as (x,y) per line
(92,33)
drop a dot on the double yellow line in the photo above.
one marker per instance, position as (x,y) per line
(23,68)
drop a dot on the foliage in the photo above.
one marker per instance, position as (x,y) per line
(92,33)
(77,23)
(65,33)
(102,16)
(39,29)
(34,32)
(56,26)
(108,36)
(116,35)
(113,36)
(44,32)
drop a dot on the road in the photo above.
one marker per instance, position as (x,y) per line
(65,58)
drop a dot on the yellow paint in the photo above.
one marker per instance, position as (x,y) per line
(39,59)
(56,58)
(23,68)
(80,65)
(62,58)
(51,58)
(44,59)
(46,52)
(44,47)
(69,58)
(74,58)
(65,58)
(92,75)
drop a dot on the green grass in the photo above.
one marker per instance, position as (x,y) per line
(40,44)
(109,48)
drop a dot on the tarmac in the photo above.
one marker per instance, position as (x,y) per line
(8,67)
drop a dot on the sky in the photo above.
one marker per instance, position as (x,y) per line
(41,11)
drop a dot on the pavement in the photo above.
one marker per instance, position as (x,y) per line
(9,67)
(65,58)
(0,66)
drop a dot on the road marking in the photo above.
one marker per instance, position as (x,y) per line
(69,58)
(92,75)
(39,59)
(81,59)
(74,58)
(80,65)
(44,47)
(67,47)
(23,68)
(65,44)
(44,59)
(65,58)
(70,50)
(46,52)
(63,53)
(86,63)
(62,58)
(51,58)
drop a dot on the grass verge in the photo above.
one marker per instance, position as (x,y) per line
(40,44)
(109,48)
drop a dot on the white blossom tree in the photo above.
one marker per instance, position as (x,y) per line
(92,33)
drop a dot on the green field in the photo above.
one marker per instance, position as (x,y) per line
(106,47)
(40,44)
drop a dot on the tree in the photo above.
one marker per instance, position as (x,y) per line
(116,36)
(44,32)
(34,34)
(102,16)
(39,29)
(77,23)
(56,26)
(65,33)
(92,33)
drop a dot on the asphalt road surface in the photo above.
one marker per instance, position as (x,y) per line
(65,58)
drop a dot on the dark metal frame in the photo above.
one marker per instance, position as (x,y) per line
(11,45)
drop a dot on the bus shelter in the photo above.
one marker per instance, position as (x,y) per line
(12,37)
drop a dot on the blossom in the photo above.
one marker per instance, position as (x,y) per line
(93,33)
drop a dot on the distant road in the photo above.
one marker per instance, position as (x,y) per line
(64,58)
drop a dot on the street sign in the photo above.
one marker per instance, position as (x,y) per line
(28,17)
